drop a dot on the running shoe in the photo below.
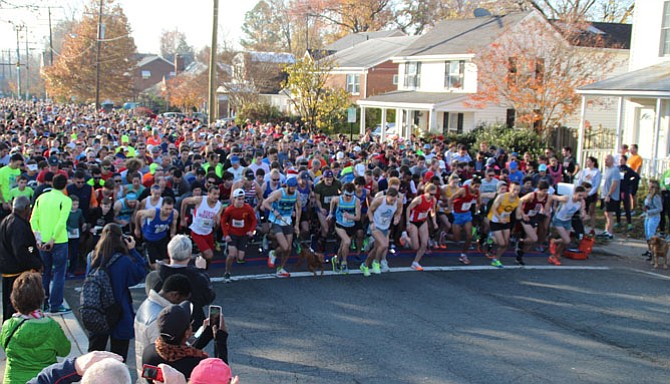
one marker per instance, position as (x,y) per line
(366,271)
(265,244)
(557,261)
(392,248)
(496,263)
(646,253)
(405,240)
(240,261)
(443,240)
(271,259)
(416,266)
(554,260)
(217,246)
(385,266)
(519,260)
(629,227)
(553,247)
(281,272)
(617,225)
(376,268)
(344,269)
(62,310)
(226,278)
(464,259)
(336,264)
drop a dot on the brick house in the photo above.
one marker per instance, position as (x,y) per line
(150,70)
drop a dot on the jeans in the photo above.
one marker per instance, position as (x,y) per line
(650,225)
(7,308)
(55,260)
(73,255)
(98,342)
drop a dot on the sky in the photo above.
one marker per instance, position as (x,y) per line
(147,19)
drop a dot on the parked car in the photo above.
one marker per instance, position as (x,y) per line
(174,115)
(390,130)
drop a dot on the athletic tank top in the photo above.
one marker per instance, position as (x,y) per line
(304,197)
(204,218)
(250,195)
(156,229)
(445,194)
(126,212)
(148,204)
(345,207)
(285,207)
(504,212)
(364,201)
(464,203)
(534,206)
(568,209)
(420,212)
(384,214)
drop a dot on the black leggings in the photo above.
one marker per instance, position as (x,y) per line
(98,342)
(625,199)
(666,209)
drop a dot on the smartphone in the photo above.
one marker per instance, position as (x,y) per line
(152,373)
(215,315)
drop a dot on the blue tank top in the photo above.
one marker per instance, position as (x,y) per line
(304,197)
(364,202)
(348,207)
(285,207)
(126,211)
(157,229)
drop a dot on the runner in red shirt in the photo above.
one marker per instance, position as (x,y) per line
(418,212)
(238,223)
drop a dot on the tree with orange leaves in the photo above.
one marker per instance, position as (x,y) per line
(187,91)
(536,68)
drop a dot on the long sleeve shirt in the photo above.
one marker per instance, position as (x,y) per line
(50,215)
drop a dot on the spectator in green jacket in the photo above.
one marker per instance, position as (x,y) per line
(31,340)
(49,223)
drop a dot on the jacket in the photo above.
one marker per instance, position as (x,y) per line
(202,291)
(58,373)
(50,215)
(18,249)
(34,346)
(123,274)
(146,328)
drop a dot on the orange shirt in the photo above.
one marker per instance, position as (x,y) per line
(635,163)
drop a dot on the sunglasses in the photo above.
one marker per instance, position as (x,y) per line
(275,179)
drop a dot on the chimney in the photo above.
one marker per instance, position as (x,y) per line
(178,64)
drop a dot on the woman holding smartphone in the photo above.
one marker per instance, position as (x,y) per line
(126,267)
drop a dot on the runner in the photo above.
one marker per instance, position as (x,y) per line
(562,221)
(500,216)
(238,224)
(417,222)
(154,225)
(461,204)
(535,208)
(346,209)
(384,210)
(326,190)
(282,205)
(205,218)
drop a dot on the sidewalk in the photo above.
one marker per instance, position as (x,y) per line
(74,333)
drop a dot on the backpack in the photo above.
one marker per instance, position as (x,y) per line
(99,311)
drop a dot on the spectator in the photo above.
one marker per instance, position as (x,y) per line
(18,250)
(97,367)
(9,175)
(30,339)
(126,267)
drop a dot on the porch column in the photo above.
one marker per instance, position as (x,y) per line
(580,138)
(398,122)
(362,129)
(619,124)
(408,124)
(657,132)
(383,125)
(432,126)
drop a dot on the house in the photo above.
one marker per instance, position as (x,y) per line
(365,69)
(643,93)
(151,70)
(437,75)
(354,39)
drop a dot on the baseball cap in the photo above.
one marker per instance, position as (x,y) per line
(239,192)
(426,146)
(292,182)
(360,169)
(490,162)
(249,174)
(515,154)
(513,165)
(357,149)
(305,175)
(173,321)
(132,195)
(328,173)
(53,160)
(211,371)
(542,168)
(235,159)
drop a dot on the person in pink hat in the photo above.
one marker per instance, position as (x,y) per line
(209,371)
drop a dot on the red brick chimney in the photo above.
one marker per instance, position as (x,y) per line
(178,64)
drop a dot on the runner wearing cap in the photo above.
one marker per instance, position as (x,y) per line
(283,204)
(205,218)
(238,224)
(346,210)
(236,168)
(154,225)
(252,191)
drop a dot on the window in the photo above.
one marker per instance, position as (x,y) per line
(512,70)
(539,70)
(452,123)
(412,75)
(395,79)
(354,84)
(665,30)
(510,117)
(453,74)
(146,74)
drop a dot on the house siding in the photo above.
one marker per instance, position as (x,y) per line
(646,39)
(158,68)
(380,78)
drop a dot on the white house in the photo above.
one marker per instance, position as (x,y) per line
(643,93)
(437,74)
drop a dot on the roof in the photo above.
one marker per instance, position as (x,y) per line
(615,35)
(352,39)
(148,59)
(650,81)
(371,52)
(459,36)
(271,57)
(412,97)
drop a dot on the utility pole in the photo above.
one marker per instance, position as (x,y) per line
(101,35)
(27,68)
(211,110)
(51,42)
(18,28)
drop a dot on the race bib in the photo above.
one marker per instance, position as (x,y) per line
(504,215)
(466,206)
(532,212)
(422,215)
(73,233)
(623,174)
(327,199)
(238,223)
(206,222)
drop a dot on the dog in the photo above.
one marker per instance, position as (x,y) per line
(659,249)
(313,259)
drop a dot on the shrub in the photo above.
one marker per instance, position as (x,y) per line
(511,139)
(263,112)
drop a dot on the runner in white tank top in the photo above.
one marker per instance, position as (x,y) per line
(383,211)
(204,218)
